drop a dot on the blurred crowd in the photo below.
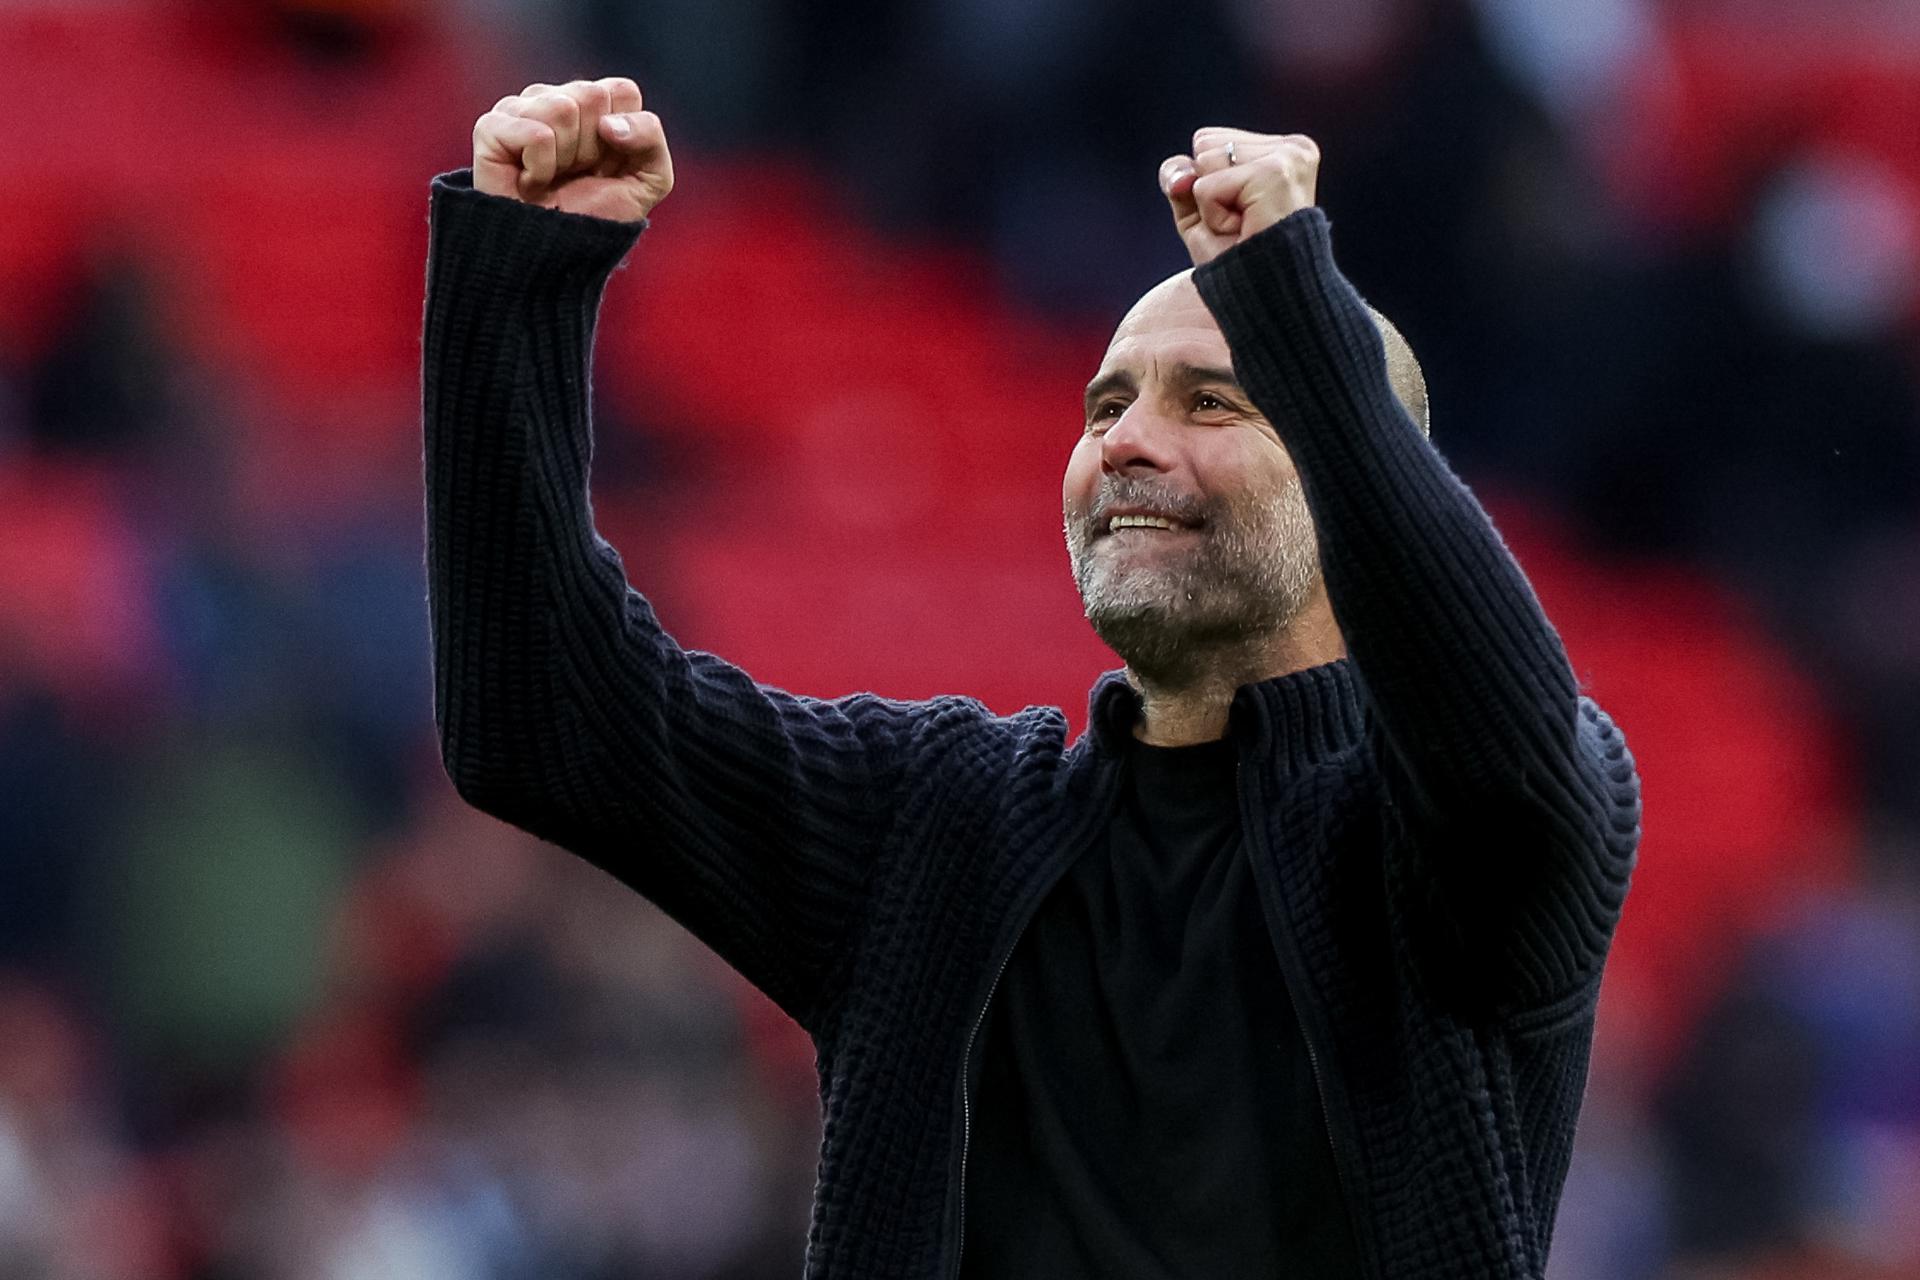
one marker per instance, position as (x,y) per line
(274,1003)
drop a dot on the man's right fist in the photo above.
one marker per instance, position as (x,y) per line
(584,146)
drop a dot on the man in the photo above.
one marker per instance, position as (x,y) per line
(1287,966)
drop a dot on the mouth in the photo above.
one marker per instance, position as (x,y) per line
(1142,523)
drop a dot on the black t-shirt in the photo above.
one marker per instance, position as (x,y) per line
(1146,1109)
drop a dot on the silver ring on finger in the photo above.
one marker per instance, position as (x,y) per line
(1232,159)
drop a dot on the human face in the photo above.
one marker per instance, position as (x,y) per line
(1170,435)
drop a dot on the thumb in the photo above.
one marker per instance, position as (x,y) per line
(1177,185)
(633,133)
(637,148)
(1177,177)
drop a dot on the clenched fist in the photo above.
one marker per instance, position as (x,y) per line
(584,146)
(1237,184)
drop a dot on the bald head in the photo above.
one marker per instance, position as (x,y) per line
(1403,370)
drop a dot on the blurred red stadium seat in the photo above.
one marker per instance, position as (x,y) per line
(1730,100)
(77,604)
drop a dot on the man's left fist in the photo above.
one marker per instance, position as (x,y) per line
(1237,184)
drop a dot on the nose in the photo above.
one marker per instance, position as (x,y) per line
(1139,441)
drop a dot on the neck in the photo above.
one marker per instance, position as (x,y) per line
(1195,710)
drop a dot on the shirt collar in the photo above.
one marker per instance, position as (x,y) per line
(1299,719)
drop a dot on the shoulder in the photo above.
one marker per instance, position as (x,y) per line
(956,723)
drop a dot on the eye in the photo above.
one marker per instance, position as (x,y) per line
(1106,411)
(1207,402)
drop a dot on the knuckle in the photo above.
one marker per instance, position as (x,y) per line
(508,103)
(537,87)
(553,110)
(621,85)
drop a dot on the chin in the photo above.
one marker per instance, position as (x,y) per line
(1150,634)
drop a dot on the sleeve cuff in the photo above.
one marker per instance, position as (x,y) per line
(506,248)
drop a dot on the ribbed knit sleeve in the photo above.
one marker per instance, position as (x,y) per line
(747,813)
(1524,789)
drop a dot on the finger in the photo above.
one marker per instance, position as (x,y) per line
(622,94)
(1218,148)
(1206,139)
(561,112)
(1176,177)
(623,99)
(512,153)
(1176,183)
(634,133)
(1218,196)
(514,102)
(1216,136)
(1253,146)
(1213,159)
(594,101)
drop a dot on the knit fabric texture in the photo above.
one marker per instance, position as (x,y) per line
(1443,826)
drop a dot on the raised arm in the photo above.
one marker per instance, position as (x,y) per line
(562,705)
(1522,790)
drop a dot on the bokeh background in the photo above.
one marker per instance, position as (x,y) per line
(274,1003)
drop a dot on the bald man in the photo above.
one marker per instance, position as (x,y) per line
(1286,967)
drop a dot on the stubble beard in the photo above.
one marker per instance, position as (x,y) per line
(1180,621)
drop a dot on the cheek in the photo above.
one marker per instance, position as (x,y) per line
(1082,480)
(1276,461)
(1243,466)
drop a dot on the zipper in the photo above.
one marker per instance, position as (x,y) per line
(1308,1014)
(1080,843)
(966,1101)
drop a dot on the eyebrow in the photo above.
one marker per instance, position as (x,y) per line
(1182,376)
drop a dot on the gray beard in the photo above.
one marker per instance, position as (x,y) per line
(1177,624)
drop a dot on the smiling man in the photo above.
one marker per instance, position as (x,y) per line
(1286,967)
(1247,598)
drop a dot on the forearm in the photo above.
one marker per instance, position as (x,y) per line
(511,298)
(747,813)
(1523,798)
(1462,665)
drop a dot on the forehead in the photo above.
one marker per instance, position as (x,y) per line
(1169,322)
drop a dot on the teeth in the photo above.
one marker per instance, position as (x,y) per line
(1140,522)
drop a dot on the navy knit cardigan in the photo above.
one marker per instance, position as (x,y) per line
(1443,826)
